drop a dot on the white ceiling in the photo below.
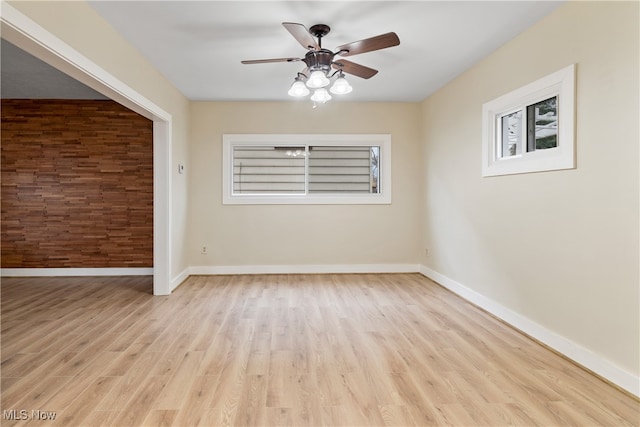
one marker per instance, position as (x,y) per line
(198,45)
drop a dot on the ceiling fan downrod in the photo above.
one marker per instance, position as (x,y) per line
(319,31)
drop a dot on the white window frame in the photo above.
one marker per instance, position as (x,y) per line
(229,141)
(561,84)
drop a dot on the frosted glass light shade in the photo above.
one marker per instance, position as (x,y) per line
(320,95)
(341,86)
(317,79)
(298,89)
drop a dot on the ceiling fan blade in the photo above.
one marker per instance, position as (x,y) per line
(265,61)
(300,33)
(382,41)
(355,69)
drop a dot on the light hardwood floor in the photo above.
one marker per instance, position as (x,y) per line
(389,349)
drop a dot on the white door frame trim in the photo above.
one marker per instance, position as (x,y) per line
(25,33)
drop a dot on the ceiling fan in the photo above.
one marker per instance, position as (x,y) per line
(320,61)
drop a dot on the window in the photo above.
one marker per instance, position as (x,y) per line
(306,169)
(531,128)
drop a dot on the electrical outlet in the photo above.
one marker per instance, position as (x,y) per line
(426,251)
(203,250)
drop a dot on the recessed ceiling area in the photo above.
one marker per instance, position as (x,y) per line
(24,76)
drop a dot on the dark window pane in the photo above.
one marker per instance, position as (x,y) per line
(542,124)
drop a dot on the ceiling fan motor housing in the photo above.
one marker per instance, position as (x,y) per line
(319,60)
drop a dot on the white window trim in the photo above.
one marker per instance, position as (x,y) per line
(560,84)
(229,141)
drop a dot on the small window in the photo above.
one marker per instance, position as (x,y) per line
(531,128)
(306,169)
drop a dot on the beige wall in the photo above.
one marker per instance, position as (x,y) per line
(311,234)
(80,26)
(560,248)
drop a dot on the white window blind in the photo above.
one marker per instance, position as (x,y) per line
(341,169)
(283,169)
(268,170)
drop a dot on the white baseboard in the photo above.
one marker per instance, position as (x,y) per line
(561,344)
(53,272)
(305,269)
(177,281)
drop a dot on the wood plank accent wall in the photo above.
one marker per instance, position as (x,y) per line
(77,185)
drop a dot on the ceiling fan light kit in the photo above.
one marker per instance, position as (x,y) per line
(317,79)
(298,89)
(321,96)
(320,62)
(341,86)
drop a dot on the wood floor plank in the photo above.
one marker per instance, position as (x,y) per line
(128,385)
(196,406)
(33,394)
(396,415)
(82,406)
(141,404)
(161,418)
(81,382)
(252,399)
(173,394)
(101,419)
(300,350)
